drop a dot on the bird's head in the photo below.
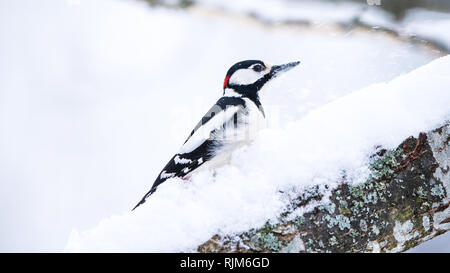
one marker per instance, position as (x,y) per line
(246,78)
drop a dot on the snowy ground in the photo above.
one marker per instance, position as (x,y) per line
(96,96)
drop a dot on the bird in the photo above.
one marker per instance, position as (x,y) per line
(232,122)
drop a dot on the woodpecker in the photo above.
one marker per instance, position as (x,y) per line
(233,121)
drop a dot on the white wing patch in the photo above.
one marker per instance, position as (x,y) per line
(179,160)
(166,175)
(204,132)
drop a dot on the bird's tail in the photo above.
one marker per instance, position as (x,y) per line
(144,198)
(157,182)
(171,170)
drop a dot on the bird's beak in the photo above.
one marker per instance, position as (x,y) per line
(279,69)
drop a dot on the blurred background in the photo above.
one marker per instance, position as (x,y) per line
(95,96)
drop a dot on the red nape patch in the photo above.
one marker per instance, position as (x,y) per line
(185,178)
(225,82)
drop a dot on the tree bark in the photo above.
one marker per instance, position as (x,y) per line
(404,202)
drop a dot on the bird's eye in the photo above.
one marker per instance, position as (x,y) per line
(258,68)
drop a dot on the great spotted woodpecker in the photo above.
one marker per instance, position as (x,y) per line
(232,122)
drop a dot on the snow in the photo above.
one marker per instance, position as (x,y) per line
(313,150)
(96,96)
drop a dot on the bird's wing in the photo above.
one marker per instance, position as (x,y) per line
(217,116)
(209,124)
(198,148)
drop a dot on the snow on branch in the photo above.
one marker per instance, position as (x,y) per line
(403,203)
(288,191)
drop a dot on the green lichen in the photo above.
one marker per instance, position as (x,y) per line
(391,243)
(404,215)
(266,238)
(343,204)
(299,221)
(380,187)
(384,166)
(345,211)
(342,221)
(354,233)
(357,191)
(437,190)
(371,197)
(333,241)
(421,193)
(270,241)
(357,205)
(329,207)
(343,207)
(410,244)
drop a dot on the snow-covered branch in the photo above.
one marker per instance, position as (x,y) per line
(345,177)
(404,202)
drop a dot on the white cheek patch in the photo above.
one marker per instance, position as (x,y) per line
(246,76)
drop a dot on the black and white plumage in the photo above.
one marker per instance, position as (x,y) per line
(232,122)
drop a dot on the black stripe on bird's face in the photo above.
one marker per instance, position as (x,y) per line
(243,65)
(244,73)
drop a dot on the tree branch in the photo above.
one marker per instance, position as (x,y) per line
(405,202)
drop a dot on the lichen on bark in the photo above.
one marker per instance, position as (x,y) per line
(404,202)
